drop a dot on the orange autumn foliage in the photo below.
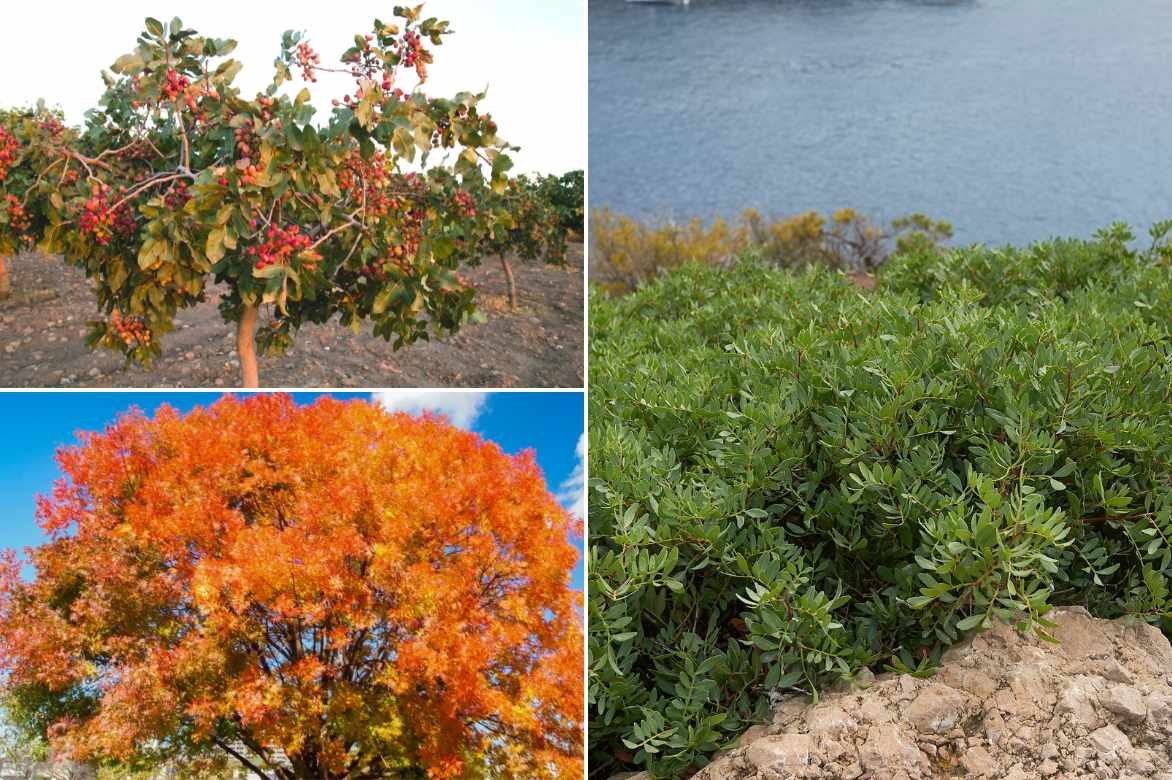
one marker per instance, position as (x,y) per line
(363,593)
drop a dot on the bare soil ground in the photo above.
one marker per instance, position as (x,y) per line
(43,325)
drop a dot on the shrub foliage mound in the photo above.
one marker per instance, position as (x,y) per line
(792,479)
(1011,275)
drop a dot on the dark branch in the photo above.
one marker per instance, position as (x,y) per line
(239,757)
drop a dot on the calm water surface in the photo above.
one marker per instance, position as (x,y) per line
(1015,119)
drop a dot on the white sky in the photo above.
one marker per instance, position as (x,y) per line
(531,54)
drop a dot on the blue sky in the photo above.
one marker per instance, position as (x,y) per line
(36,424)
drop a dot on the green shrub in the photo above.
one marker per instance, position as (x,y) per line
(792,479)
(1012,275)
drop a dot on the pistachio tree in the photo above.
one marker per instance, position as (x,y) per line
(527,224)
(181,181)
(30,138)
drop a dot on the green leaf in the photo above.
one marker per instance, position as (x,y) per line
(328,183)
(152,252)
(226,72)
(970,622)
(270,272)
(127,64)
(215,244)
(309,139)
(379,305)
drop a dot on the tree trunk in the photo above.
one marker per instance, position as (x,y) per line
(512,284)
(5,285)
(246,348)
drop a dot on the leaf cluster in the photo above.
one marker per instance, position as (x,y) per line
(1058,268)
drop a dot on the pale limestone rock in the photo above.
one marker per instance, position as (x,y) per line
(979,763)
(1160,711)
(1109,739)
(1016,772)
(969,680)
(1125,701)
(936,709)
(751,733)
(886,747)
(994,726)
(783,751)
(1141,761)
(874,711)
(1110,669)
(1076,702)
(829,719)
(1080,636)
(1004,705)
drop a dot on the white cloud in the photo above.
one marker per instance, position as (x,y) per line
(461,407)
(572,492)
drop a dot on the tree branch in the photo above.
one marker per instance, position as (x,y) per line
(239,757)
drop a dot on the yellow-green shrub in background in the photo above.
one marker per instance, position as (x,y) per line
(627,252)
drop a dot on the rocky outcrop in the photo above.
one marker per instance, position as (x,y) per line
(1004,705)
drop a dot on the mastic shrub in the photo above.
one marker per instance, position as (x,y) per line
(847,241)
(1015,275)
(793,479)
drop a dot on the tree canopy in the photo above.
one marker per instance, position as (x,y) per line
(325,590)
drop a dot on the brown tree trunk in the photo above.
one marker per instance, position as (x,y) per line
(512,284)
(5,285)
(246,348)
